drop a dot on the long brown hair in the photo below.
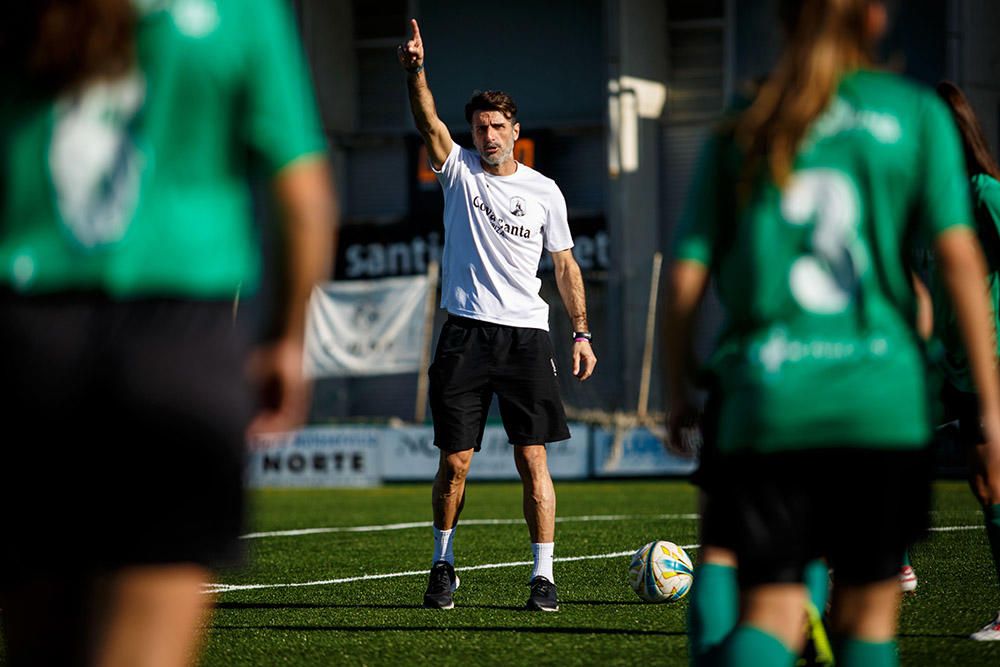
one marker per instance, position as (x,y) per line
(825,39)
(978,159)
(56,45)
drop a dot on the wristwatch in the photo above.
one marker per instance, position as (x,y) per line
(579,336)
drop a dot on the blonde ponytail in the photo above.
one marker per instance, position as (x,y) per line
(826,39)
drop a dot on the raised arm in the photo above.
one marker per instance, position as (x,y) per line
(570,283)
(431,128)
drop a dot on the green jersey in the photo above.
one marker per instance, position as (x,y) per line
(819,347)
(139,186)
(986,209)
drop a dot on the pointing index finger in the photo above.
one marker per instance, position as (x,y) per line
(415,29)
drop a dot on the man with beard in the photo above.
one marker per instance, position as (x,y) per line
(498,216)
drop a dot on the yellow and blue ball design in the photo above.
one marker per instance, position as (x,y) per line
(661,572)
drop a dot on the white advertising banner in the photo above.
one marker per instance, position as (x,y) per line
(638,453)
(410,454)
(366,327)
(345,456)
(315,457)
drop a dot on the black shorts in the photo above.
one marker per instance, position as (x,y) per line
(131,419)
(475,360)
(858,508)
(962,407)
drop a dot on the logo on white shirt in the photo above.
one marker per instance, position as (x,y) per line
(498,224)
(517,206)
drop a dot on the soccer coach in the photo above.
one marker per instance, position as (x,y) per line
(498,215)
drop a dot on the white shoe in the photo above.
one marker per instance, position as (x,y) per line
(907,579)
(989,633)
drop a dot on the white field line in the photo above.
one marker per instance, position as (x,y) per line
(225,588)
(464,522)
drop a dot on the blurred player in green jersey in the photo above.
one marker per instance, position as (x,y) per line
(961,403)
(127,130)
(802,211)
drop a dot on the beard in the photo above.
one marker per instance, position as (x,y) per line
(498,158)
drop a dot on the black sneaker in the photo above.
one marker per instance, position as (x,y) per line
(543,596)
(443,582)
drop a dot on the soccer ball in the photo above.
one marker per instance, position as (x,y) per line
(660,572)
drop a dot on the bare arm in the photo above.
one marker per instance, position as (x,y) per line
(925,308)
(308,210)
(570,283)
(431,128)
(964,271)
(688,281)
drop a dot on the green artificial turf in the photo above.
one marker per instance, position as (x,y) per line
(381,622)
(601,622)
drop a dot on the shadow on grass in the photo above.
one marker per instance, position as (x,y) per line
(603,603)
(931,635)
(328,605)
(309,605)
(456,628)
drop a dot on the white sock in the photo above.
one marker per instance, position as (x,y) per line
(543,560)
(442,546)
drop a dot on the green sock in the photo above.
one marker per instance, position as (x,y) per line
(751,646)
(993,533)
(906,558)
(859,653)
(713,610)
(817,581)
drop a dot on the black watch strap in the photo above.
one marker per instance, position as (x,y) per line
(583,335)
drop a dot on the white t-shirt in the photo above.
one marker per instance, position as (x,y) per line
(494,230)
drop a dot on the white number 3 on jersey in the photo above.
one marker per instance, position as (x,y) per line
(93,161)
(824,279)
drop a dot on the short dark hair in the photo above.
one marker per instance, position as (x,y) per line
(491,100)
